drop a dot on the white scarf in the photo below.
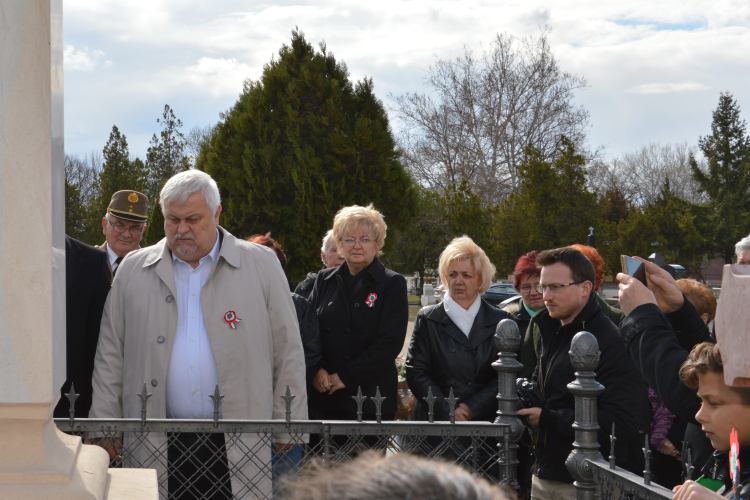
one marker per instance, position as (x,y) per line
(462,318)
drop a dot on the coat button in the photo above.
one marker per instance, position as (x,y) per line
(453,350)
(154,383)
(346,358)
(356,304)
(348,331)
(160,339)
(169,298)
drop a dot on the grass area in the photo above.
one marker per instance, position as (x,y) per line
(413,299)
(413,310)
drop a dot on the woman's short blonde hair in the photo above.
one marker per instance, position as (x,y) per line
(350,218)
(465,248)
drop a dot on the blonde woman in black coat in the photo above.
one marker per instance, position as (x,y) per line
(452,345)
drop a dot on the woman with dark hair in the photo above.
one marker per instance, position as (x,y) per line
(522,309)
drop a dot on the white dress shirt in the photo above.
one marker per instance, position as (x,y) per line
(112,258)
(192,373)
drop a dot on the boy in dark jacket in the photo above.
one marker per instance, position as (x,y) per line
(567,282)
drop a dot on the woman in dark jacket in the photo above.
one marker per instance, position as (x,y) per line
(452,345)
(363,311)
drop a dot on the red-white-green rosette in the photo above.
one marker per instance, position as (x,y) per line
(231,318)
(371,298)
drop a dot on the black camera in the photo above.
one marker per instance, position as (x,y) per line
(529,394)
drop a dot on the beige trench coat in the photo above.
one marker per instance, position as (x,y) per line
(255,362)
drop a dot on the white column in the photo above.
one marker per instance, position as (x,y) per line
(37,460)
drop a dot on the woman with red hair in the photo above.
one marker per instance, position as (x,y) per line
(525,279)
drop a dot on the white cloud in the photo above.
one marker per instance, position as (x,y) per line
(82,60)
(666,88)
(218,76)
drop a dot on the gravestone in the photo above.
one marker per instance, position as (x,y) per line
(37,461)
(428,295)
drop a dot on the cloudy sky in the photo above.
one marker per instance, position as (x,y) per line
(654,68)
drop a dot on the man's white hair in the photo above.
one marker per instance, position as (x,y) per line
(182,185)
(327,242)
(743,244)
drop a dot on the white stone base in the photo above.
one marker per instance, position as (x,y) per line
(68,470)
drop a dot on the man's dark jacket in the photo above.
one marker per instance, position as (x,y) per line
(87,282)
(441,356)
(621,402)
(361,337)
(659,344)
(305,287)
(309,330)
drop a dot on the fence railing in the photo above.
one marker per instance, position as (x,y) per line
(214,459)
(210,459)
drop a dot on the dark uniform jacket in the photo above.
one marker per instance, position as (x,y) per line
(659,344)
(442,357)
(87,280)
(362,332)
(621,402)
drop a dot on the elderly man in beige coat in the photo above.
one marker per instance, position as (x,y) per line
(197,309)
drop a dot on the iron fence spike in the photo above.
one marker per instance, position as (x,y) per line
(72,396)
(431,405)
(288,397)
(452,400)
(647,456)
(689,465)
(216,397)
(378,399)
(612,442)
(144,397)
(360,399)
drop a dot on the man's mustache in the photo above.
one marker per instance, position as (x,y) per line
(185,236)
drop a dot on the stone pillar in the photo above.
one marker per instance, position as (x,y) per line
(508,340)
(37,460)
(584,354)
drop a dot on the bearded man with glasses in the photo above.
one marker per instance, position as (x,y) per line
(123,225)
(566,284)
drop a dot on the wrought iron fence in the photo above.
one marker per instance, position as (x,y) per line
(212,459)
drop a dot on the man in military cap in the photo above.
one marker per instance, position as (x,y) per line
(123,225)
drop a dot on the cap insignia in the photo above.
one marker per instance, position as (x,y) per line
(133,198)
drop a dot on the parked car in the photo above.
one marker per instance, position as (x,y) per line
(680,272)
(499,292)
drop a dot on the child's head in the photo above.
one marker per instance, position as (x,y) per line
(723,407)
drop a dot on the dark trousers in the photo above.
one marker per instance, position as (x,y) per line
(198,468)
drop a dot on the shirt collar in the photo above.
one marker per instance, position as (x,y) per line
(112,255)
(213,254)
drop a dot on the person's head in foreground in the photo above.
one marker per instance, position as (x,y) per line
(403,476)
(701,296)
(466,270)
(359,233)
(567,282)
(723,407)
(526,278)
(191,204)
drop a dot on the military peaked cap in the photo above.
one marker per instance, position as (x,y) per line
(129,205)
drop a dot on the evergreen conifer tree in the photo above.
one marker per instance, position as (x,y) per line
(727,180)
(299,144)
